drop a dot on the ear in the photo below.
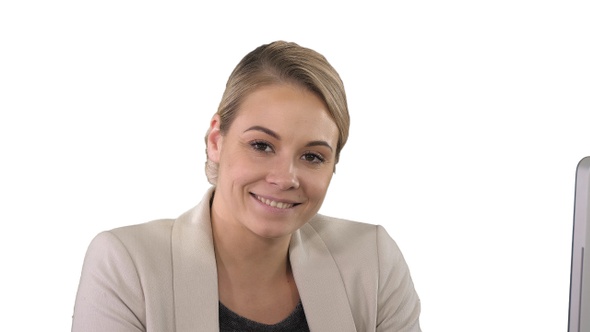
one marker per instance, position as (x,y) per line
(214,139)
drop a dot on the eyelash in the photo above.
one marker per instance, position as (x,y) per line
(262,146)
(319,159)
(257,144)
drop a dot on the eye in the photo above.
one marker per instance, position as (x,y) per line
(313,158)
(261,146)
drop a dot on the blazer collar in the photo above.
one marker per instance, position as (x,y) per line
(320,285)
(196,298)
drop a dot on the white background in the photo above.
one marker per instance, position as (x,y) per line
(468,119)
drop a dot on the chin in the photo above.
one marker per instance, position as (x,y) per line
(272,231)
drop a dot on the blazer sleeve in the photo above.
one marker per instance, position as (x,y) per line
(398,303)
(110,296)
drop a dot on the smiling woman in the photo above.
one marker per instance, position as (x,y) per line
(255,254)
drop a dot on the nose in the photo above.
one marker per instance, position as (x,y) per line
(283,174)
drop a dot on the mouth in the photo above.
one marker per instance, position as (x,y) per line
(275,204)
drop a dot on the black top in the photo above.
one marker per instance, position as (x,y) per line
(229,321)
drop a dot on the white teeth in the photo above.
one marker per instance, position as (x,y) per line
(276,204)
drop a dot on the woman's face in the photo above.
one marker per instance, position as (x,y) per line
(275,161)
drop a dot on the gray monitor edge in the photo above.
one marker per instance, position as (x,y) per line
(579,300)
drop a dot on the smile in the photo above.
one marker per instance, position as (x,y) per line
(275,204)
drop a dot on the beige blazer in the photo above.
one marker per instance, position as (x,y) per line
(161,276)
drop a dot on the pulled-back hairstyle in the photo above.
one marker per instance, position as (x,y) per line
(283,62)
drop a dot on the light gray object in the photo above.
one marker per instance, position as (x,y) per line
(579,304)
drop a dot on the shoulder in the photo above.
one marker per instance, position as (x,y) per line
(328,226)
(127,249)
(123,267)
(145,234)
(135,244)
(157,234)
(152,241)
(348,235)
(355,244)
(140,237)
(369,258)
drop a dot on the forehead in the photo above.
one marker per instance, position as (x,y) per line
(289,108)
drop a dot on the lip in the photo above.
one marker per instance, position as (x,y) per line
(275,203)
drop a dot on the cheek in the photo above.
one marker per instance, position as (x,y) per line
(318,184)
(238,168)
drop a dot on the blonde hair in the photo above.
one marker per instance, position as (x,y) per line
(283,62)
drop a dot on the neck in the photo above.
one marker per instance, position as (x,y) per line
(251,256)
(253,273)
(240,252)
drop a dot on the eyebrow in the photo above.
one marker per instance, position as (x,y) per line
(277,136)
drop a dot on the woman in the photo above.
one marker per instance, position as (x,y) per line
(255,255)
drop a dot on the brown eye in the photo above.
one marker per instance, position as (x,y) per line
(261,146)
(313,158)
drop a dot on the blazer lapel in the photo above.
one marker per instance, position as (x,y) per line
(319,283)
(196,299)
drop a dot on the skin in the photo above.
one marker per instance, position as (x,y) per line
(275,165)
